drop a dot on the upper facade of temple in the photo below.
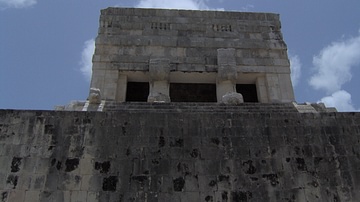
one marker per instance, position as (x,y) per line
(159,55)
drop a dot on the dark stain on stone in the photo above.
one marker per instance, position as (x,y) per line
(250,169)
(209,198)
(123,129)
(48,129)
(223,178)
(51,148)
(146,172)
(297,151)
(224,195)
(13,180)
(286,121)
(317,160)
(183,168)
(273,151)
(53,161)
(140,178)
(58,165)
(77,179)
(301,164)
(273,178)
(103,167)
(78,151)
(161,141)
(155,161)
(241,196)
(179,184)
(109,183)
(71,164)
(254,178)
(212,183)
(4,196)
(86,121)
(128,151)
(215,141)
(53,140)
(287,160)
(194,153)
(177,143)
(15,164)
(77,121)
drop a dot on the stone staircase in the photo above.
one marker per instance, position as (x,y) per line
(200,107)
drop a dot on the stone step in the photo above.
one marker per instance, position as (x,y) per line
(199,107)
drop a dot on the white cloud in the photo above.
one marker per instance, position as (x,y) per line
(17,3)
(333,69)
(295,66)
(341,100)
(86,58)
(247,7)
(333,64)
(182,4)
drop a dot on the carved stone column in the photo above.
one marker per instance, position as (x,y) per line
(227,76)
(159,71)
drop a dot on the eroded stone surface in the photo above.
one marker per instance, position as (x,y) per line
(94,96)
(208,152)
(232,98)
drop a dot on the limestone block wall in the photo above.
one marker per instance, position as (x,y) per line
(129,38)
(193,156)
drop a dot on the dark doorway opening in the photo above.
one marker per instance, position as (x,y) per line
(137,91)
(191,92)
(248,92)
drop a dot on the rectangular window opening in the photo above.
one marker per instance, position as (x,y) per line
(137,91)
(248,92)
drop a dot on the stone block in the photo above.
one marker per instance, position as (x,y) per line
(69,182)
(209,167)
(92,183)
(32,196)
(17,195)
(78,196)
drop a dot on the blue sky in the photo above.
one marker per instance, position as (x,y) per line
(46,47)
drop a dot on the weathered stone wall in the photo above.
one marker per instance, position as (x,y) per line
(179,156)
(129,37)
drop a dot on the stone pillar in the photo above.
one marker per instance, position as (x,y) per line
(261,89)
(279,88)
(227,73)
(121,88)
(159,71)
(287,91)
(110,85)
(273,88)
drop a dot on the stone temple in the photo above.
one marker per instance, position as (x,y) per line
(190,56)
(183,106)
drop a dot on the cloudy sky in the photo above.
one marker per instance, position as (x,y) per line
(46,47)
